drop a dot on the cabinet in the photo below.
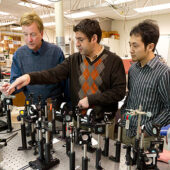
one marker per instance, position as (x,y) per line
(8,45)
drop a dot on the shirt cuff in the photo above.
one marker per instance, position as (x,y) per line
(91,99)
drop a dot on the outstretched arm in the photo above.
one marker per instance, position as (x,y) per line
(53,75)
(16,71)
(18,84)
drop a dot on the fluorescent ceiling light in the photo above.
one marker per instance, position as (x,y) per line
(47,15)
(4,13)
(29,5)
(80,14)
(47,24)
(116,2)
(43,2)
(7,23)
(17,28)
(153,8)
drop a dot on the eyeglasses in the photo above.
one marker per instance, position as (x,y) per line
(32,35)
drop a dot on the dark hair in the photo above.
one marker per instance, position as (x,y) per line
(148,30)
(89,27)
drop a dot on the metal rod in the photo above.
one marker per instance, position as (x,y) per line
(107,130)
(47,136)
(85,151)
(119,133)
(98,141)
(141,141)
(78,121)
(67,130)
(46,112)
(72,143)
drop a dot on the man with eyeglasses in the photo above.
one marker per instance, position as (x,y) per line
(97,76)
(36,55)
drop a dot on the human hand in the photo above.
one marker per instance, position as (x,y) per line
(83,103)
(19,83)
(4,88)
(140,132)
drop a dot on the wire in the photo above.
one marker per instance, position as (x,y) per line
(75,5)
(11,132)
(123,16)
(126,16)
(9,138)
(6,140)
(16,130)
(24,167)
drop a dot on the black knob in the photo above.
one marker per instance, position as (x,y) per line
(19,118)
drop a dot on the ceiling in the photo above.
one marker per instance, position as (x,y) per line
(101,8)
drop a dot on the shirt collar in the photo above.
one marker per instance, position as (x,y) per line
(152,63)
(98,54)
(39,51)
(100,51)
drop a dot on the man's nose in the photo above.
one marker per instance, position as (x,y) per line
(77,44)
(131,49)
(29,38)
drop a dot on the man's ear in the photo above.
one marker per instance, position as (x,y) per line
(42,34)
(151,46)
(94,38)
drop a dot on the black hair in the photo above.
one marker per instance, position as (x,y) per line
(148,30)
(89,27)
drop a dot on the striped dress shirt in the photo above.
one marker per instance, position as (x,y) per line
(149,86)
